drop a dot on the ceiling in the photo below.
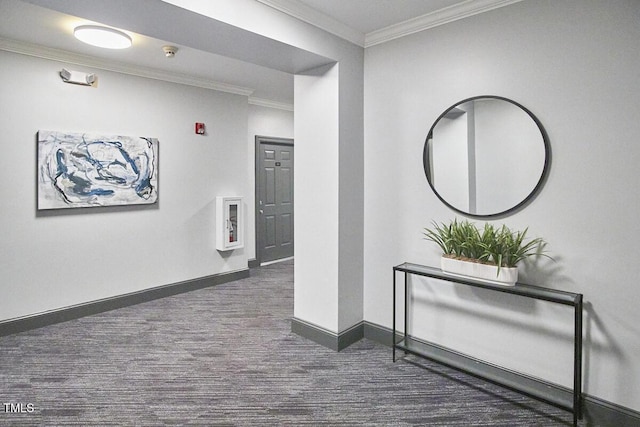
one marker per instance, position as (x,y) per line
(28,27)
(48,33)
(367,16)
(370,22)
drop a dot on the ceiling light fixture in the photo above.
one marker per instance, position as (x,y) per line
(108,38)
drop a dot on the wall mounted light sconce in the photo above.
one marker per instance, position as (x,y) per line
(100,36)
(78,77)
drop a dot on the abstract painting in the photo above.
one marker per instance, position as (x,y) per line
(86,170)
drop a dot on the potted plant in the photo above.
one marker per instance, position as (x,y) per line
(489,253)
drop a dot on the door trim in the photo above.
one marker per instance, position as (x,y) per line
(260,139)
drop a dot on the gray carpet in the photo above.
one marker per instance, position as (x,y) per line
(225,356)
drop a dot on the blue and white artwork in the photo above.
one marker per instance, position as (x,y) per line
(85,170)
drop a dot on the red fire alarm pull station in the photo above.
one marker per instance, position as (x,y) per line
(200,128)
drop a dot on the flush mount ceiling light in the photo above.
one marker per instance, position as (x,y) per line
(102,37)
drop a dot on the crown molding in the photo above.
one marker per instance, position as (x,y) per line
(261,102)
(463,9)
(89,61)
(318,19)
(443,16)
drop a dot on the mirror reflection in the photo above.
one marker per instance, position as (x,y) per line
(486,156)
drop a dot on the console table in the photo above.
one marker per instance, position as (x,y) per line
(512,380)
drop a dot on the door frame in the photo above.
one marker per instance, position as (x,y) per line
(260,139)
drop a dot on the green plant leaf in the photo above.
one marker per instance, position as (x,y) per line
(500,246)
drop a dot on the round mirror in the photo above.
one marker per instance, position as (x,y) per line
(486,156)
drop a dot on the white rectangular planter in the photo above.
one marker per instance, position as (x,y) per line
(478,271)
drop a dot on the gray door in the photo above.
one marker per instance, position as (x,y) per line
(274,198)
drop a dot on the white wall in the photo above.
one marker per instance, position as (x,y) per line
(450,173)
(266,121)
(515,144)
(316,191)
(574,65)
(60,258)
(263,121)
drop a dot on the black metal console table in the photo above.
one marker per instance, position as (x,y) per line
(442,355)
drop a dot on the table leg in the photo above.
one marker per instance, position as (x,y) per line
(393,331)
(577,363)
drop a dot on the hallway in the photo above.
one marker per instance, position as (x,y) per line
(225,356)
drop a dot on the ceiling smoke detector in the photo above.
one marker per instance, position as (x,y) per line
(169,51)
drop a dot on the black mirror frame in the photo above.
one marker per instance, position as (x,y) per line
(530,196)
